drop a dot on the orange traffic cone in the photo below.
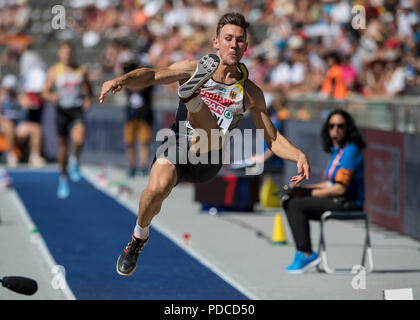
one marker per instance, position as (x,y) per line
(279,236)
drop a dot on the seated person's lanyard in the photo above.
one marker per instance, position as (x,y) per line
(335,163)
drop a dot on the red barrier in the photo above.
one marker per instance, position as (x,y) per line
(229,192)
(384,178)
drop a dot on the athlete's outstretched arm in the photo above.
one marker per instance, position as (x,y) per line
(145,77)
(276,142)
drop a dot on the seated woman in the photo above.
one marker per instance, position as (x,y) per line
(343,188)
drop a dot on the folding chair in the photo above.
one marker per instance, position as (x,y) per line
(344,215)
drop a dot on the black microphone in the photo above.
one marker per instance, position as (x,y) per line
(20,285)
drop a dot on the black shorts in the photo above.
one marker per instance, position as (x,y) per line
(67,118)
(201,169)
(34,115)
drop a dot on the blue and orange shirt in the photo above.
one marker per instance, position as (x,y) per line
(346,166)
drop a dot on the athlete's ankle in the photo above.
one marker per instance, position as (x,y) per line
(141,232)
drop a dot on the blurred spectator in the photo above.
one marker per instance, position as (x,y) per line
(297,34)
(108,60)
(279,76)
(406,18)
(29,59)
(395,77)
(300,33)
(334,84)
(205,13)
(138,128)
(16,45)
(124,56)
(412,73)
(31,124)
(288,70)
(14,17)
(349,73)
(176,15)
(374,79)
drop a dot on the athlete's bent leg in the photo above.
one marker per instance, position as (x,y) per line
(163,177)
(78,139)
(199,115)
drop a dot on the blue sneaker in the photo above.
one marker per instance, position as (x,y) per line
(63,190)
(74,171)
(301,263)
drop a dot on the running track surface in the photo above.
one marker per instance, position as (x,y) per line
(86,232)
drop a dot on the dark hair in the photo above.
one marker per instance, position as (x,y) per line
(70,44)
(352,132)
(333,55)
(66,43)
(234,18)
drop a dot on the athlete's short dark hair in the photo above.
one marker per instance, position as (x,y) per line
(234,18)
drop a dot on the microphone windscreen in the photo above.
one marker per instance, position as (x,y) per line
(20,285)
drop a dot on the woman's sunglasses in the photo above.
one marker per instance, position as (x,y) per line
(338,125)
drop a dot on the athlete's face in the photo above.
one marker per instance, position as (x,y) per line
(230,44)
(337,127)
(65,54)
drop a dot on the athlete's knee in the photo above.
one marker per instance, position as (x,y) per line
(78,139)
(78,133)
(157,191)
(158,188)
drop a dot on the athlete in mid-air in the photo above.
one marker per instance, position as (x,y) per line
(208,88)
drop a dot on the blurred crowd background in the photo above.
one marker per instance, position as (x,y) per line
(293,44)
(335,50)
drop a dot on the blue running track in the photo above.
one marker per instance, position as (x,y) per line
(86,232)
